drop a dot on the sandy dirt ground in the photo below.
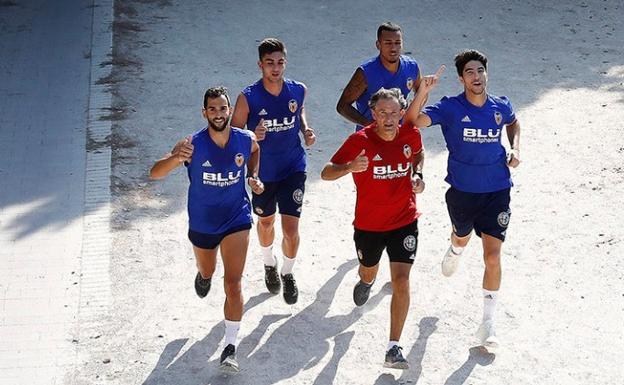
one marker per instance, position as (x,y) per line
(561,309)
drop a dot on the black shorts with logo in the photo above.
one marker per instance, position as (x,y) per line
(400,244)
(287,194)
(486,213)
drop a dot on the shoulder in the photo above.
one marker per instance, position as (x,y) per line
(501,101)
(199,133)
(295,85)
(408,60)
(241,132)
(369,63)
(251,88)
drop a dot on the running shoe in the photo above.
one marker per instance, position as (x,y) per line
(361,291)
(271,279)
(487,335)
(228,361)
(394,358)
(290,289)
(450,262)
(202,285)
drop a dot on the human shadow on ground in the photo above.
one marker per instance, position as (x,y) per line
(427,326)
(298,344)
(477,355)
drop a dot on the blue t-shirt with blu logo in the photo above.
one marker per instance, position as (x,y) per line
(281,153)
(477,159)
(217,199)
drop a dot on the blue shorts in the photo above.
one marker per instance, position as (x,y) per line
(210,241)
(486,213)
(400,244)
(287,194)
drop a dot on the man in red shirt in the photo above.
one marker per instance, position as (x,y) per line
(385,159)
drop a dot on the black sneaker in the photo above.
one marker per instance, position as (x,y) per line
(394,359)
(361,291)
(290,289)
(271,279)
(228,361)
(202,286)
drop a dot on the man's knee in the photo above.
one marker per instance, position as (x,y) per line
(492,260)
(400,284)
(232,287)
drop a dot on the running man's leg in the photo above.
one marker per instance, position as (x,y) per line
(206,260)
(369,246)
(491,258)
(399,305)
(234,253)
(290,243)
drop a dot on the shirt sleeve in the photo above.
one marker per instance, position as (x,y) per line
(438,113)
(510,115)
(349,150)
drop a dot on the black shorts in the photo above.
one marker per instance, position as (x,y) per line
(486,213)
(287,194)
(400,244)
(210,241)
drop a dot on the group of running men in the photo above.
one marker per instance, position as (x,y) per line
(385,156)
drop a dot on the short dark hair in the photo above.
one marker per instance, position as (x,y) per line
(388,26)
(270,45)
(215,92)
(384,93)
(468,55)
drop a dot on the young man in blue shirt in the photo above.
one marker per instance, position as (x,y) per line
(273,107)
(218,206)
(478,172)
(389,69)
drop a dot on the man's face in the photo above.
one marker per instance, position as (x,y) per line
(387,113)
(217,112)
(474,77)
(390,45)
(273,66)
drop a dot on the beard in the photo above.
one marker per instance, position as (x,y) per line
(216,126)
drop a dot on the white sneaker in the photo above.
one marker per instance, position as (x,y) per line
(450,262)
(487,335)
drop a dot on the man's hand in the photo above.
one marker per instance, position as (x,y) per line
(359,164)
(309,137)
(183,150)
(260,130)
(513,158)
(418,185)
(429,82)
(256,185)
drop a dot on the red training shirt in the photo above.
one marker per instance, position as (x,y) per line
(385,200)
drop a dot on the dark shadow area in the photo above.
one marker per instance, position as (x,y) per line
(298,344)
(477,355)
(427,327)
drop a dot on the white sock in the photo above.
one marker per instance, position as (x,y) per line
(489,304)
(231,332)
(267,255)
(287,265)
(391,344)
(456,249)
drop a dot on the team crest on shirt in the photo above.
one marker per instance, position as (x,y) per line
(498,117)
(503,219)
(407,151)
(292,105)
(298,196)
(239,159)
(409,83)
(409,243)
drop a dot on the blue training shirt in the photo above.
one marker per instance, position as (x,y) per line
(217,200)
(377,76)
(477,159)
(281,153)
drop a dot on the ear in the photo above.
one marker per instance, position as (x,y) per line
(377,45)
(260,64)
(204,113)
(402,112)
